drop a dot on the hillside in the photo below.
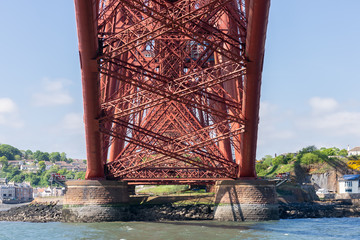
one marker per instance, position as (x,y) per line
(309,160)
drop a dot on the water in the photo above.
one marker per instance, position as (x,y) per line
(321,228)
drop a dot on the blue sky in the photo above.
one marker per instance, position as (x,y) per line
(310,88)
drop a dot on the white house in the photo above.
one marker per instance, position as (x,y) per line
(349,184)
(7,192)
(354,151)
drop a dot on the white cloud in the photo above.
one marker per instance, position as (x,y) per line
(9,116)
(334,124)
(52,93)
(322,105)
(7,105)
(323,122)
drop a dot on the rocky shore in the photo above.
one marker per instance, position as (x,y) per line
(51,212)
(335,209)
(33,212)
(170,212)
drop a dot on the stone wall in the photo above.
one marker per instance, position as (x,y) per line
(87,192)
(245,200)
(95,201)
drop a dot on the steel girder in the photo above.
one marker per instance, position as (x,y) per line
(171,88)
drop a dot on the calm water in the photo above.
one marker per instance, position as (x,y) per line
(321,228)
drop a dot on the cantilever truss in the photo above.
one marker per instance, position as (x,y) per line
(171,87)
(172,82)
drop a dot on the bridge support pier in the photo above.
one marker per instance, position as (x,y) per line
(245,200)
(95,201)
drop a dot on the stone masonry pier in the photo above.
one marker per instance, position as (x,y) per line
(95,201)
(245,200)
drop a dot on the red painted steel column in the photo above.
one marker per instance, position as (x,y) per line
(254,52)
(86,11)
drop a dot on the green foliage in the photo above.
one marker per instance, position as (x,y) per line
(42,166)
(267,160)
(281,159)
(260,167)
(330,151)
(63,157)
(28,154)
(308,149)
(9,151)
(3,161)
(79,175)
(41,156)
(343,152)
(55,157)
(323,159)
(309,158)
(41,177)
(165,189)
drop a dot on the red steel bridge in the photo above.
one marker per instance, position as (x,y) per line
(171,88)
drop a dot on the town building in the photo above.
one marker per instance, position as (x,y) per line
(15,193)
(49,192)
(354,151)
(23,192)
(349,184)
(3,181)
(7,193)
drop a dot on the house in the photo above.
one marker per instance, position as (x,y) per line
(16,163)
(354,151)
(349,184)
(23,192)
(3,181)
(29,168)
(7,193)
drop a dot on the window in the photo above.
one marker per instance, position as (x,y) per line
(4,194)
(10,194)
(348,184)
(348,190)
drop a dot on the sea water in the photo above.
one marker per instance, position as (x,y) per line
(320,228)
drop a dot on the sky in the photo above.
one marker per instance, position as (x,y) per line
(310,86)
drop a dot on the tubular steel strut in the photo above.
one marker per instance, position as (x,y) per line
(171,88)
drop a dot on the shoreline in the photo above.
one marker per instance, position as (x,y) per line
(52,211)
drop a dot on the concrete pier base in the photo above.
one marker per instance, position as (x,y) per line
(95,201)
(245,200)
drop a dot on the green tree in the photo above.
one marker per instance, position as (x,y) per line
(80,175)
(260,166)
(63,157)
(41,156)
(267,160)
(343,152)
(9,151)
(37,154)
(330,151)
(42,166)
(28,154)
(55,157)
(310,158)
(281,159)
(4,161)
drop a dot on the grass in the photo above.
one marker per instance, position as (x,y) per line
(164,189)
